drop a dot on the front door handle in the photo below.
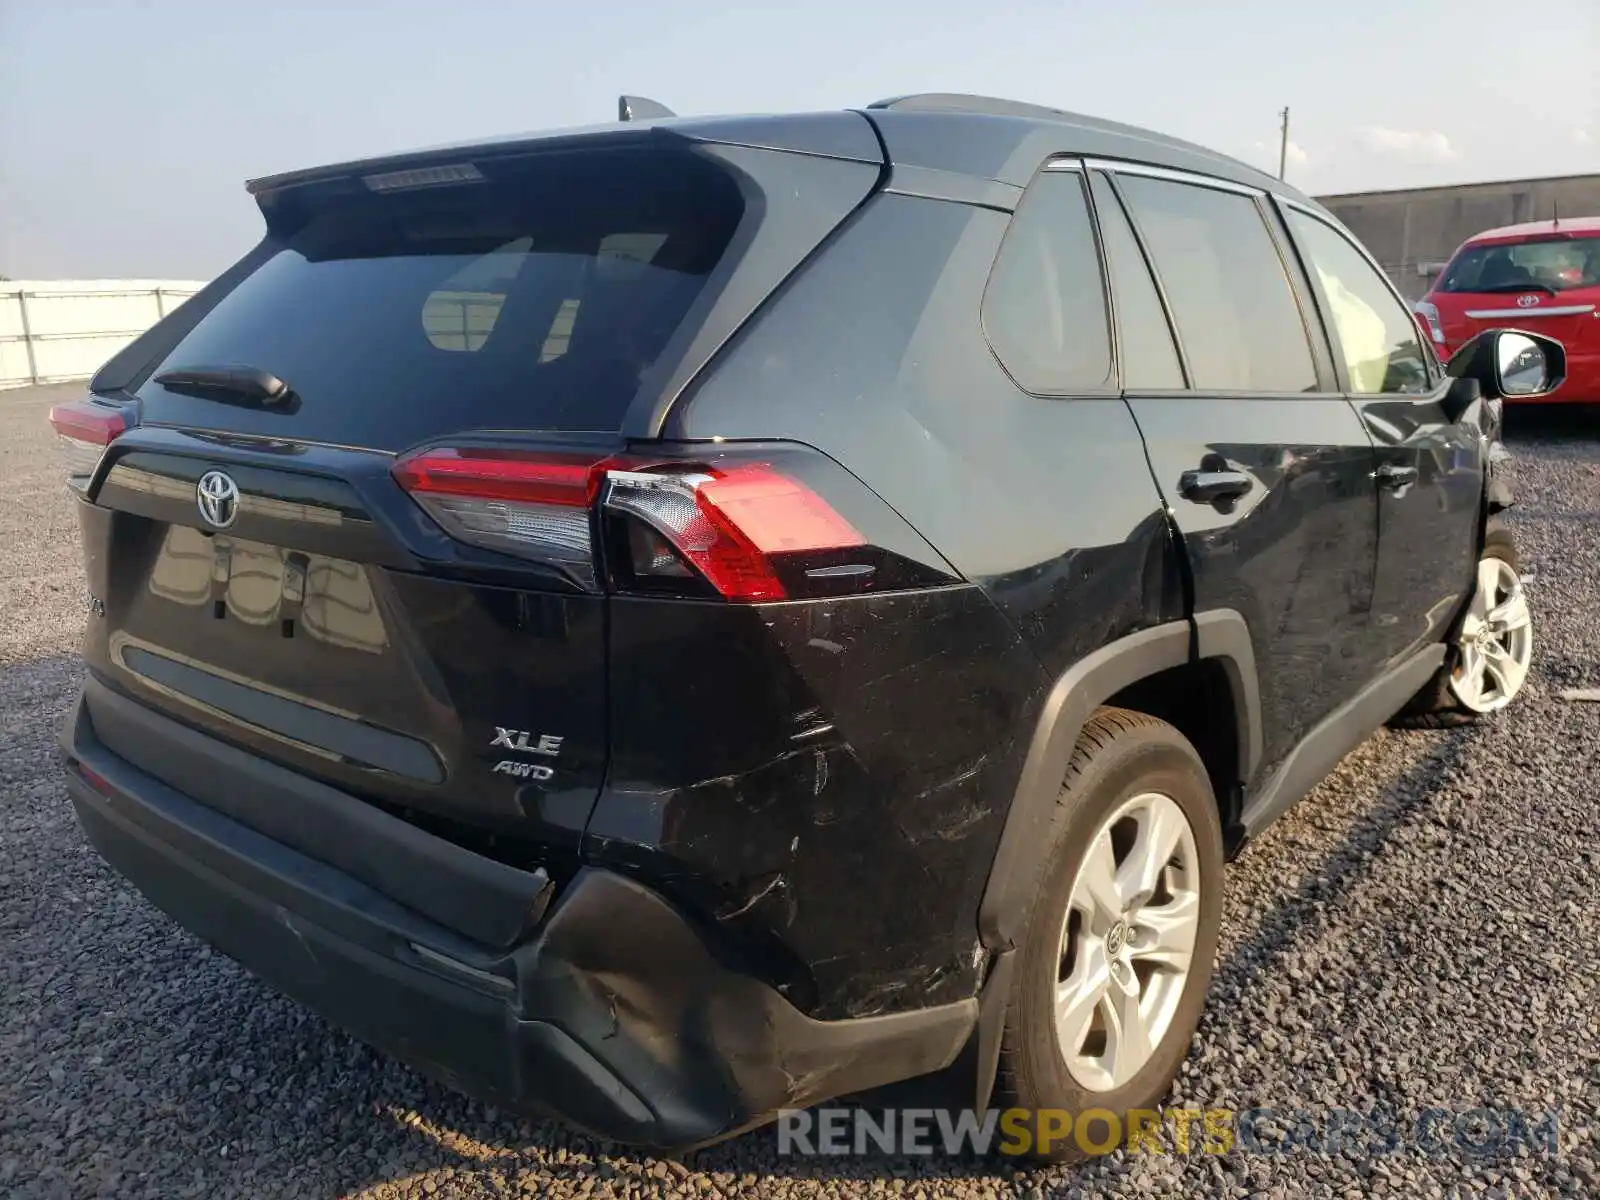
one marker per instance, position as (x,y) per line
(1214,487)
(1395,477)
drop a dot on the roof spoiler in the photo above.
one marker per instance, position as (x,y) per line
(641,108)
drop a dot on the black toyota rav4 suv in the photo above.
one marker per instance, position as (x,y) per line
(667,622)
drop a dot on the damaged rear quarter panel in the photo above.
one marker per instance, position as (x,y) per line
(823,781)
(838,773)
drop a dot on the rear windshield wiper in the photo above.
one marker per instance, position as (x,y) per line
(228,383)
(1517,287)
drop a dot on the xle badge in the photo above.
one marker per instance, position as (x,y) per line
(526,743)
(521,739)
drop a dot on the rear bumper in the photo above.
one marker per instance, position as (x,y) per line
(611,1012)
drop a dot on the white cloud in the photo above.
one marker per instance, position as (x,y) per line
(1415,145)
(1297,155)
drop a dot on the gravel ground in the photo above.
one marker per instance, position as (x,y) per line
(1418,934)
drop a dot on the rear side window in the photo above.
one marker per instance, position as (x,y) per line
(1558,264)
(1377,337)
(535,298)
(1149,359)
(1236,314)
(1045,307)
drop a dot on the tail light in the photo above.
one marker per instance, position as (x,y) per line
(735,525)
(531,504)
(732,524)
(1428,318)
(83,431)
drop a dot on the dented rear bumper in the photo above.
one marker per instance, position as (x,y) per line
(598,1002)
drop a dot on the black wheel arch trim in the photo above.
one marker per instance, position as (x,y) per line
(1220,634)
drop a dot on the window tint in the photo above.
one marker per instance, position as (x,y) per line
(534,299)
(1149,359)
(1236,314)
(1044,309)
(1377,337)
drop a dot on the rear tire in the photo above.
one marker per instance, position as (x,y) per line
(1457,694)
(1122,936)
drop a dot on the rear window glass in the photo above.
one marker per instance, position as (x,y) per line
(535,298)
(1555,264)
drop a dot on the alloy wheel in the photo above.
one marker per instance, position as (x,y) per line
(1127,941)
(1496,641)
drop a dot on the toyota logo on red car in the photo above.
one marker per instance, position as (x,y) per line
(1542,277)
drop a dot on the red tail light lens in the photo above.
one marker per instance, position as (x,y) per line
(83,431)
(730,522)
(532,504)
(742,529)
(519,476)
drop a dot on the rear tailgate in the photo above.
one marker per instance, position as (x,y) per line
(329,628)
(258,571)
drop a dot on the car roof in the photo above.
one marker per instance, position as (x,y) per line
(1555,227)
(978,136)
(1006,140)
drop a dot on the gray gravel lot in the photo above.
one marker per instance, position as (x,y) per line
(1420,933)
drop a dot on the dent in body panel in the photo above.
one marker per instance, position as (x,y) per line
(1295,556)
(1427,532)
(762,771)
(876,357)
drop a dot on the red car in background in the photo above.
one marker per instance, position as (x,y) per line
(1543,277)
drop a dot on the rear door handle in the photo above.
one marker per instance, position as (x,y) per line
(1396,477)
(1213,487)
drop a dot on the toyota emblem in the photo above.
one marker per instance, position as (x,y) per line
(1527,301)
(218,497)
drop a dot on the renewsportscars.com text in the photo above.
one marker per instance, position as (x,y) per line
(1466,1133)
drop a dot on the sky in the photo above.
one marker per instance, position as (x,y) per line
(127,127)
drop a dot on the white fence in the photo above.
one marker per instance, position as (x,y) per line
(59,329)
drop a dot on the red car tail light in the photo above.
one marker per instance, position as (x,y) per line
(532,504)
(1427,315)
(739,525)
(83,430)
(730,522)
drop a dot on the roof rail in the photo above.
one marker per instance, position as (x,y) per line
(990,106)
(641,108)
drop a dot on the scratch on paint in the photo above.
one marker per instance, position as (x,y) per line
(775,883)
(961,824)
(287,922)
(955,780)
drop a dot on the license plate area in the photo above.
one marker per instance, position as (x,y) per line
(287,593)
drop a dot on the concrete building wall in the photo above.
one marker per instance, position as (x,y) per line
(1413,233)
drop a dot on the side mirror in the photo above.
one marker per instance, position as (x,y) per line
(1510,363)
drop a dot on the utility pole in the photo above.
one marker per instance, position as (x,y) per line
(1283,146)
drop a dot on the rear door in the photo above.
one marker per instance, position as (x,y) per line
(1266,468)
(1429,469)
(384,575)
